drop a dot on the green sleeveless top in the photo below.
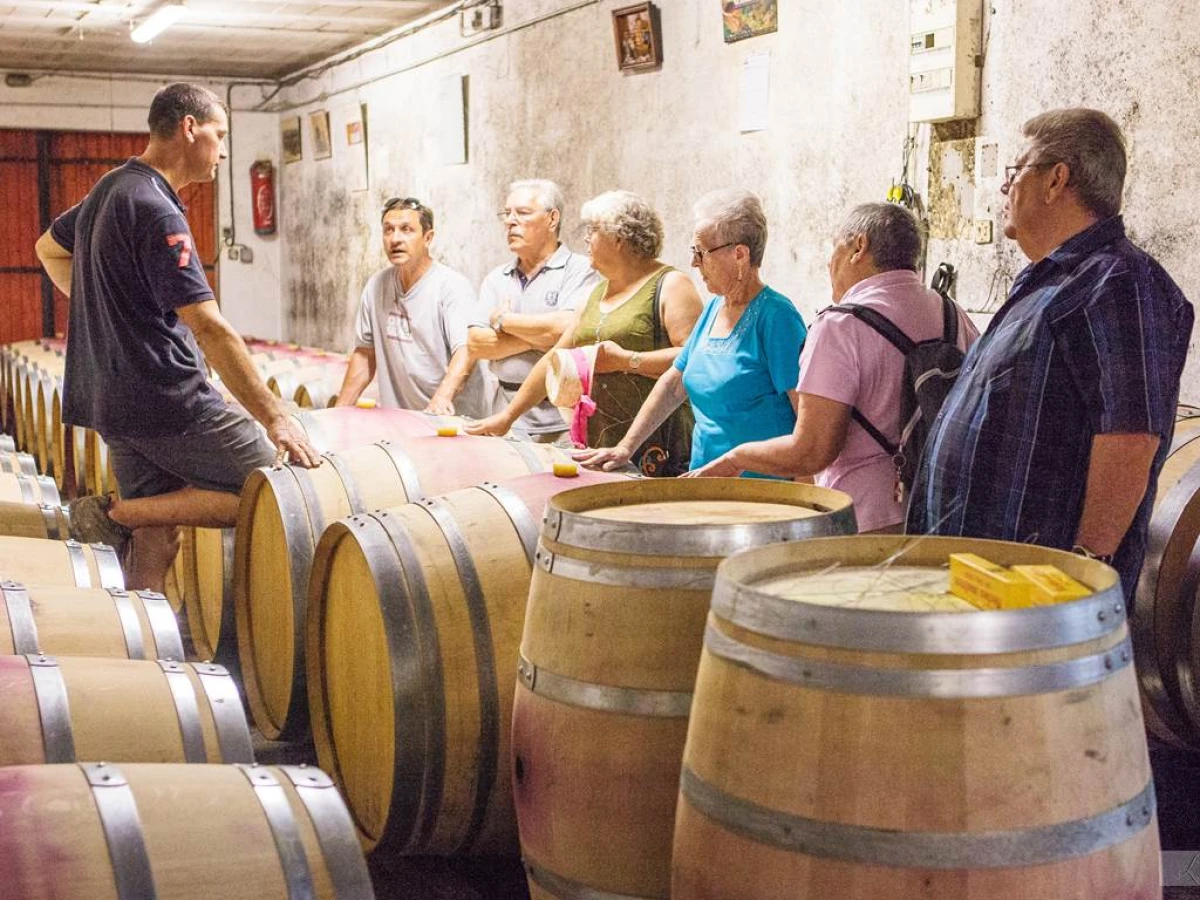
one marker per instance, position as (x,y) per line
(635,325)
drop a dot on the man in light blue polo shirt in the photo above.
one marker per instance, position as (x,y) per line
(530,299)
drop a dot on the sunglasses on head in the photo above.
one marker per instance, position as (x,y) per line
(402,203)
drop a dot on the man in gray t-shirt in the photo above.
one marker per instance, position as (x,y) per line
(412,326)
(528,300)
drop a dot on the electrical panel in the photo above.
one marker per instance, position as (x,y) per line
(946,40)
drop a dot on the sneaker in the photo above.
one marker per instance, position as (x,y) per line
(90,523)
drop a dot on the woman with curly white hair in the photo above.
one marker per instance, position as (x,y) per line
(638,318)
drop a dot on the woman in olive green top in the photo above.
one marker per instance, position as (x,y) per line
(639,317)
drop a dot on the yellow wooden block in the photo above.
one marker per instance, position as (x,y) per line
(985,584)
(448,431)
(1051,584)
(566,470)
(365,403)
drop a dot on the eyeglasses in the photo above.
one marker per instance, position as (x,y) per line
(521,214)
(699,253)
(402,203)
(1010,172)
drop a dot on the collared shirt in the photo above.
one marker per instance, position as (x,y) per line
(1092,340)
(133,368)
(556,287)
(848,361)
(415,334)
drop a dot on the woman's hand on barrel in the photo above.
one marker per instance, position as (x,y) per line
(440,406)
(605,458)
(291,444)
(497,425)
(721,467)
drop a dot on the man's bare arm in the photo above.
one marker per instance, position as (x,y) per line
(56,260)
(1118,473)
(541,332)
(226,352)
(486,343)
(442,401)
(359,371)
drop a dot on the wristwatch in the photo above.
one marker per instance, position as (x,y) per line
(635,361)
(500,323)
(1081,550)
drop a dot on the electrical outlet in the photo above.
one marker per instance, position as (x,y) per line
(247,255)
(234,252)
(227,237)
(983,231)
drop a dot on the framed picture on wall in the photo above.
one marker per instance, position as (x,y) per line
(322,144)
(292,147)
(637,33)
(743,19)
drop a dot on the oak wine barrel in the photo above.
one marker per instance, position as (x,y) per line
(93,831)
(622,580)
(414,620)
(857,732)
(71,621)
(18,463)
(64,709)
(283,512)
(35,490)
(63,563)
(35,521)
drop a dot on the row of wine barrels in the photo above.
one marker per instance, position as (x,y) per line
(845,744)
(35,521)
(36,490)
(1165,620)
(68,709)
(71,621)
(18,463)
(60,563)
(283,512)
(414,618)
(622,582)
(175,832)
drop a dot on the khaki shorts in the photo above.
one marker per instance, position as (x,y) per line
(215,453)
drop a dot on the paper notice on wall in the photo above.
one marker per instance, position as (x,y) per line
(348,133)
(450,126)
(755,91)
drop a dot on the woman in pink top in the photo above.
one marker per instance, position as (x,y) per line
(847,365)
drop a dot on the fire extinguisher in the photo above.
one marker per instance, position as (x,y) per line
(262,193)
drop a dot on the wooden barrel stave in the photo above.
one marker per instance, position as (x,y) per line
(209,597)
(34,521)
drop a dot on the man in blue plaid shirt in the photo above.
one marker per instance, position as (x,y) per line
(1063,414)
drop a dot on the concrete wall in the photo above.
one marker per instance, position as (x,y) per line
(251,295)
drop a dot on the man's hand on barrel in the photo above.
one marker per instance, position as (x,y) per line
(497,425)
(291,444)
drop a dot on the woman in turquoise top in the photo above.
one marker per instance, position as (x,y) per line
(740,366)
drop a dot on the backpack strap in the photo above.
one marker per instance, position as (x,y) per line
(655,312)
(949,321)
(894,336)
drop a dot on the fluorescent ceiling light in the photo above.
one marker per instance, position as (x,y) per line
(162,19)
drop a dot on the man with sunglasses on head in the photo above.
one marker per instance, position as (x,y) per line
(412,326)
(1060,421)
(530,299)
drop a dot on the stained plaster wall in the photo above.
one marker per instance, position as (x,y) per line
(251,295)
(547,100)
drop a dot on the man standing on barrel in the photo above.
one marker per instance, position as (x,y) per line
(142,321)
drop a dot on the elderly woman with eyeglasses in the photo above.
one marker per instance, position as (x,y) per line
(638,318)
(740,366)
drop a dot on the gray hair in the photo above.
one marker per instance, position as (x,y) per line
(548,193)
(1091,146)
(894,236)
(737,217)
(628,217)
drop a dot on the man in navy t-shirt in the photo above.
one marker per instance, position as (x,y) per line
(142,320)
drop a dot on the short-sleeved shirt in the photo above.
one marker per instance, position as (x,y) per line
(847,361)
(132,367)
(738,384)
(554,288)
(1092,340)
(414,335)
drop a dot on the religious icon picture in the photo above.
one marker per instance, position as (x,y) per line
(637,34)
(322,144)
(748,18)
(292,146)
